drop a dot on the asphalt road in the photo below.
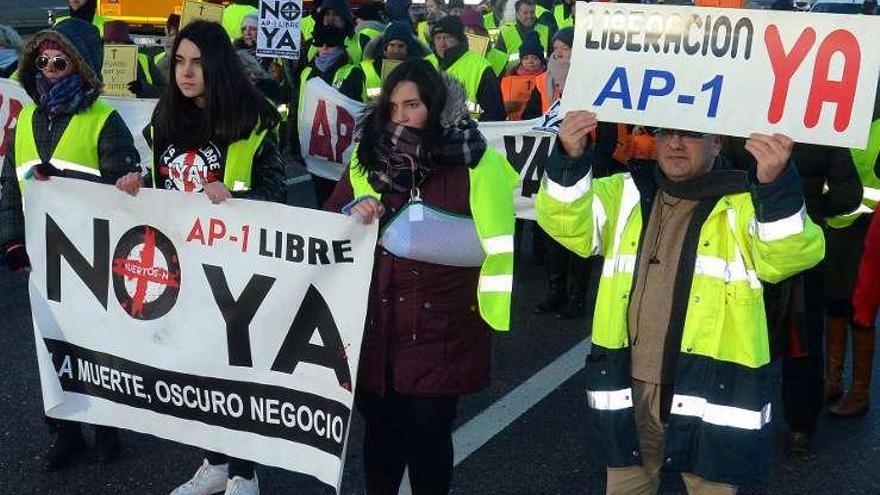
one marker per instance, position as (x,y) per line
(544,450)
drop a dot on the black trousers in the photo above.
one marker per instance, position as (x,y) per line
(803,377)
(569,269)
(237,467)
(406,431)
(71,428)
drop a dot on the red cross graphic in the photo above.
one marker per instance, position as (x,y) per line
(144,271)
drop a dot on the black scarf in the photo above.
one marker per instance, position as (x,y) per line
(404,160)
(719,181)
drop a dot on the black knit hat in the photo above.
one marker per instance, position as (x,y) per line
(450,25)
(565,35)
(328,35)
(531,45)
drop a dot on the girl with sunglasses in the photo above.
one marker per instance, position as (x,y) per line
(66,132)
(213,133)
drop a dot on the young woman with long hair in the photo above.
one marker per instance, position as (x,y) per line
(443,272)
(213,132)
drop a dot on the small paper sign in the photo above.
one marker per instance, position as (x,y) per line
(478,44)
(194,10)
(120,68)
(388,65)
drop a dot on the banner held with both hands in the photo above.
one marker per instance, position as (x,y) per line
(235,328)
(813,77)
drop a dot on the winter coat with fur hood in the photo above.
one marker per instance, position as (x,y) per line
(424,335)
(118,155)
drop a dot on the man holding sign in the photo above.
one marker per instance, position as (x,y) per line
(678,375)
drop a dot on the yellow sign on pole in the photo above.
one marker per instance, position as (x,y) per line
(193,10)
(478,44)
(120,68)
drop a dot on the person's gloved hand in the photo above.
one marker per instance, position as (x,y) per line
(136,87)
(16,257)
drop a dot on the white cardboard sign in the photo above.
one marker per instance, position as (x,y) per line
(812,77)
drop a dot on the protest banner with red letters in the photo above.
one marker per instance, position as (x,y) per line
(327,134)
(234,327)
(12,99)
(810,76)
(327,139)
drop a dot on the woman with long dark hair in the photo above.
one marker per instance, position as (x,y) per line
(213,132)
(443,271)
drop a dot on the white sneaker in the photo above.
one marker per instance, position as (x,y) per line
(208,480)
(243,486)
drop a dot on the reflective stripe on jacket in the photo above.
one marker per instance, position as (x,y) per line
(491,201)
(718,425)
(865,161)
(77,150)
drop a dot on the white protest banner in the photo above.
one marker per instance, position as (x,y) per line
(234,327)
(279,32)
(135,112)
(327,128)
(812,77)
(526,147)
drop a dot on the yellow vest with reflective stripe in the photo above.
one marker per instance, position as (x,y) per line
(352,48)
(422,31)
(307,27)
(491,26)
(77,150)
(726,293)
(720,410)
(338,78)
(513,40)
(239,161)
(373,86)
(864,161)
(144,61)
(498,60)
(561,20)
(491,200)
(468,70)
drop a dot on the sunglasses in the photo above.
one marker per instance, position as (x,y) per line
(58,63)
(661,133)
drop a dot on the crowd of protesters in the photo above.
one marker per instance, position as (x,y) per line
(679,373)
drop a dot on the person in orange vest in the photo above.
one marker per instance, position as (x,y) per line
(548,86)
(531,64)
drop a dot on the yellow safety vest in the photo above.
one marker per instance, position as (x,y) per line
(77,150)
(233,15)
(491,200)
(864,161)
(468,70)
(373,86)
(561,20)
(512,40)
(239,164)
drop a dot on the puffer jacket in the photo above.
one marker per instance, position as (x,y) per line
(118,155)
